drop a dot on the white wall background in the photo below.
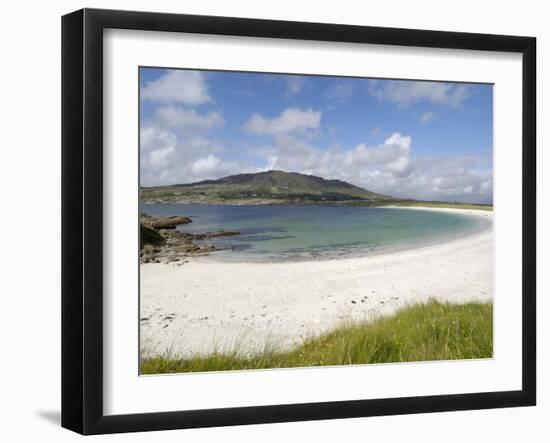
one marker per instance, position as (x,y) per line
(30,221)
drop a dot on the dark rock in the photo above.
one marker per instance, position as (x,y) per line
(167,222)
(211,235)
(221,234)
(164,244)
(150,236)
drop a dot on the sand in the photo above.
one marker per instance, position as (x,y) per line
(203,306)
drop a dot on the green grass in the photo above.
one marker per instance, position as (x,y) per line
(257,197)
(150,236)
(431,331)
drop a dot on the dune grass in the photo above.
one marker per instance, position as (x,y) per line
(430,331)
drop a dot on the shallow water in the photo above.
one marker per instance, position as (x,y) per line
(269,232)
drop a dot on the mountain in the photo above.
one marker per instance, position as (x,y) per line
(270,187)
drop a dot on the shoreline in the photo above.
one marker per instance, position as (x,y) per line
(472,212)
(207,305)
(345,252)
(336,204)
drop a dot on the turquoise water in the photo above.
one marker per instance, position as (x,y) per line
(303,232)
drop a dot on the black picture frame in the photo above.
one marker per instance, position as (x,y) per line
(82,218)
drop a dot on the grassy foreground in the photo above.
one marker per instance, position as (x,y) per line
(431,331)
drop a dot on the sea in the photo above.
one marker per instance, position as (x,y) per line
(285,233)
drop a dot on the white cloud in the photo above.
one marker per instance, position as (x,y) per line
(168,159)
(404,142)
(271,163)
(205,165)
(485,186)
(177,146)
(392,155)
(293,154)
(188,119)
(161,156)
(178,86)
(291,120)
(405,93)
(426,117)
(399,165)
(390,168)
(152,138)
(157,148)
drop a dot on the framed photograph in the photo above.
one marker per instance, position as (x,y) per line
(269,221)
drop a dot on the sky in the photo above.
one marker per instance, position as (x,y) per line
(409,139)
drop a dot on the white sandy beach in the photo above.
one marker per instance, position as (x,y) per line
(204,305)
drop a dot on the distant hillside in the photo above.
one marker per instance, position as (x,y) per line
(271,187)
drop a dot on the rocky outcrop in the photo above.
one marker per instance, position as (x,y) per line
(165,222)
(167,245)
(212,235)
(150,236)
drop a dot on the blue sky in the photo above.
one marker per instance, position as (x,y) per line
(428,140)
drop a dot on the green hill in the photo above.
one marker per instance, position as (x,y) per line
(270,187)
